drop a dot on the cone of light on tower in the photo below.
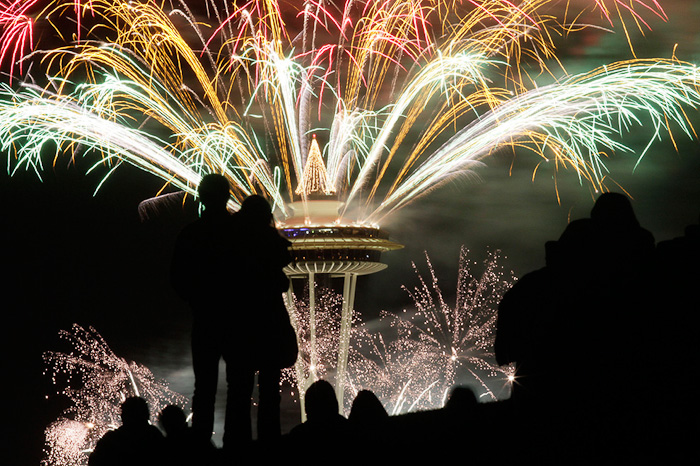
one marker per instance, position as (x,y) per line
(314,179)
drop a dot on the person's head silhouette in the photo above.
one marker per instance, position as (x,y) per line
(461,399)
(320,401)
(256,210)
(214,192)
(614,210)
(367,408)
(134,412)
(173,419)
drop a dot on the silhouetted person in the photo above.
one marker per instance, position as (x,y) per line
(202,273)
(135,442)
(530,311)
(182,447)
(624,289)
(324,426)
(369,420)
(678,273)
(229,268)
(675,341)
(462,400)
(678,257)
(546,327)
(458,415)
(267,342)
(463,423)
(625,249)
(366,409)
(174,422)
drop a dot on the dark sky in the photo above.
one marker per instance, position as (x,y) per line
(70,256)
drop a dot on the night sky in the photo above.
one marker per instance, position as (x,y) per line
(71,256)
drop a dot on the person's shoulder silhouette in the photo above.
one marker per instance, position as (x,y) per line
(135,442)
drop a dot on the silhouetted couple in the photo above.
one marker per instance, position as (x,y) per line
(229,268)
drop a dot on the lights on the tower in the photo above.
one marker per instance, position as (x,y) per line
(315,180)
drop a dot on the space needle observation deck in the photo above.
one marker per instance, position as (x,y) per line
(321,242)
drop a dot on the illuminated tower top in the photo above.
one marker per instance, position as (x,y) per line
(317,206)
(321,241)
(314,179)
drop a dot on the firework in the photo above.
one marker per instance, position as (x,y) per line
(636,9)
(16,35)
(402,96)
(318,323)
(96,382)
(436,346)
(425,353)
(382,85)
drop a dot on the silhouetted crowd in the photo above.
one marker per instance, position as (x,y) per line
(603,346)
(601,342)
(368,431)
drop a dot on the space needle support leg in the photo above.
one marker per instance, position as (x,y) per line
(344,343)
(299,364)
(312,326)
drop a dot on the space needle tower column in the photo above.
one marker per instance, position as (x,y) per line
(322,244)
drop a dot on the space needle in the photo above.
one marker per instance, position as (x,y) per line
(324,245)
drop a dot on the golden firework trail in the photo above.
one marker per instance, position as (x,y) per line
(402,96)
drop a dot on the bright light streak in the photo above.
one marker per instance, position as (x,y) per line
(391,83)
(17,34)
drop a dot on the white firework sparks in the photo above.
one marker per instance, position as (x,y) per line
(437,346)
(96,381)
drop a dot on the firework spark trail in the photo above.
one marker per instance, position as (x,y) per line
(64,122)
(437,345)
(17,32)
(68,442)
(95,381)
(631,7)
(571,123)
(97,115)
(461,336)
(239,101)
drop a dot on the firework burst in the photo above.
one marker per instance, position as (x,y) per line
(241,90)
(436,346)
(96,382)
